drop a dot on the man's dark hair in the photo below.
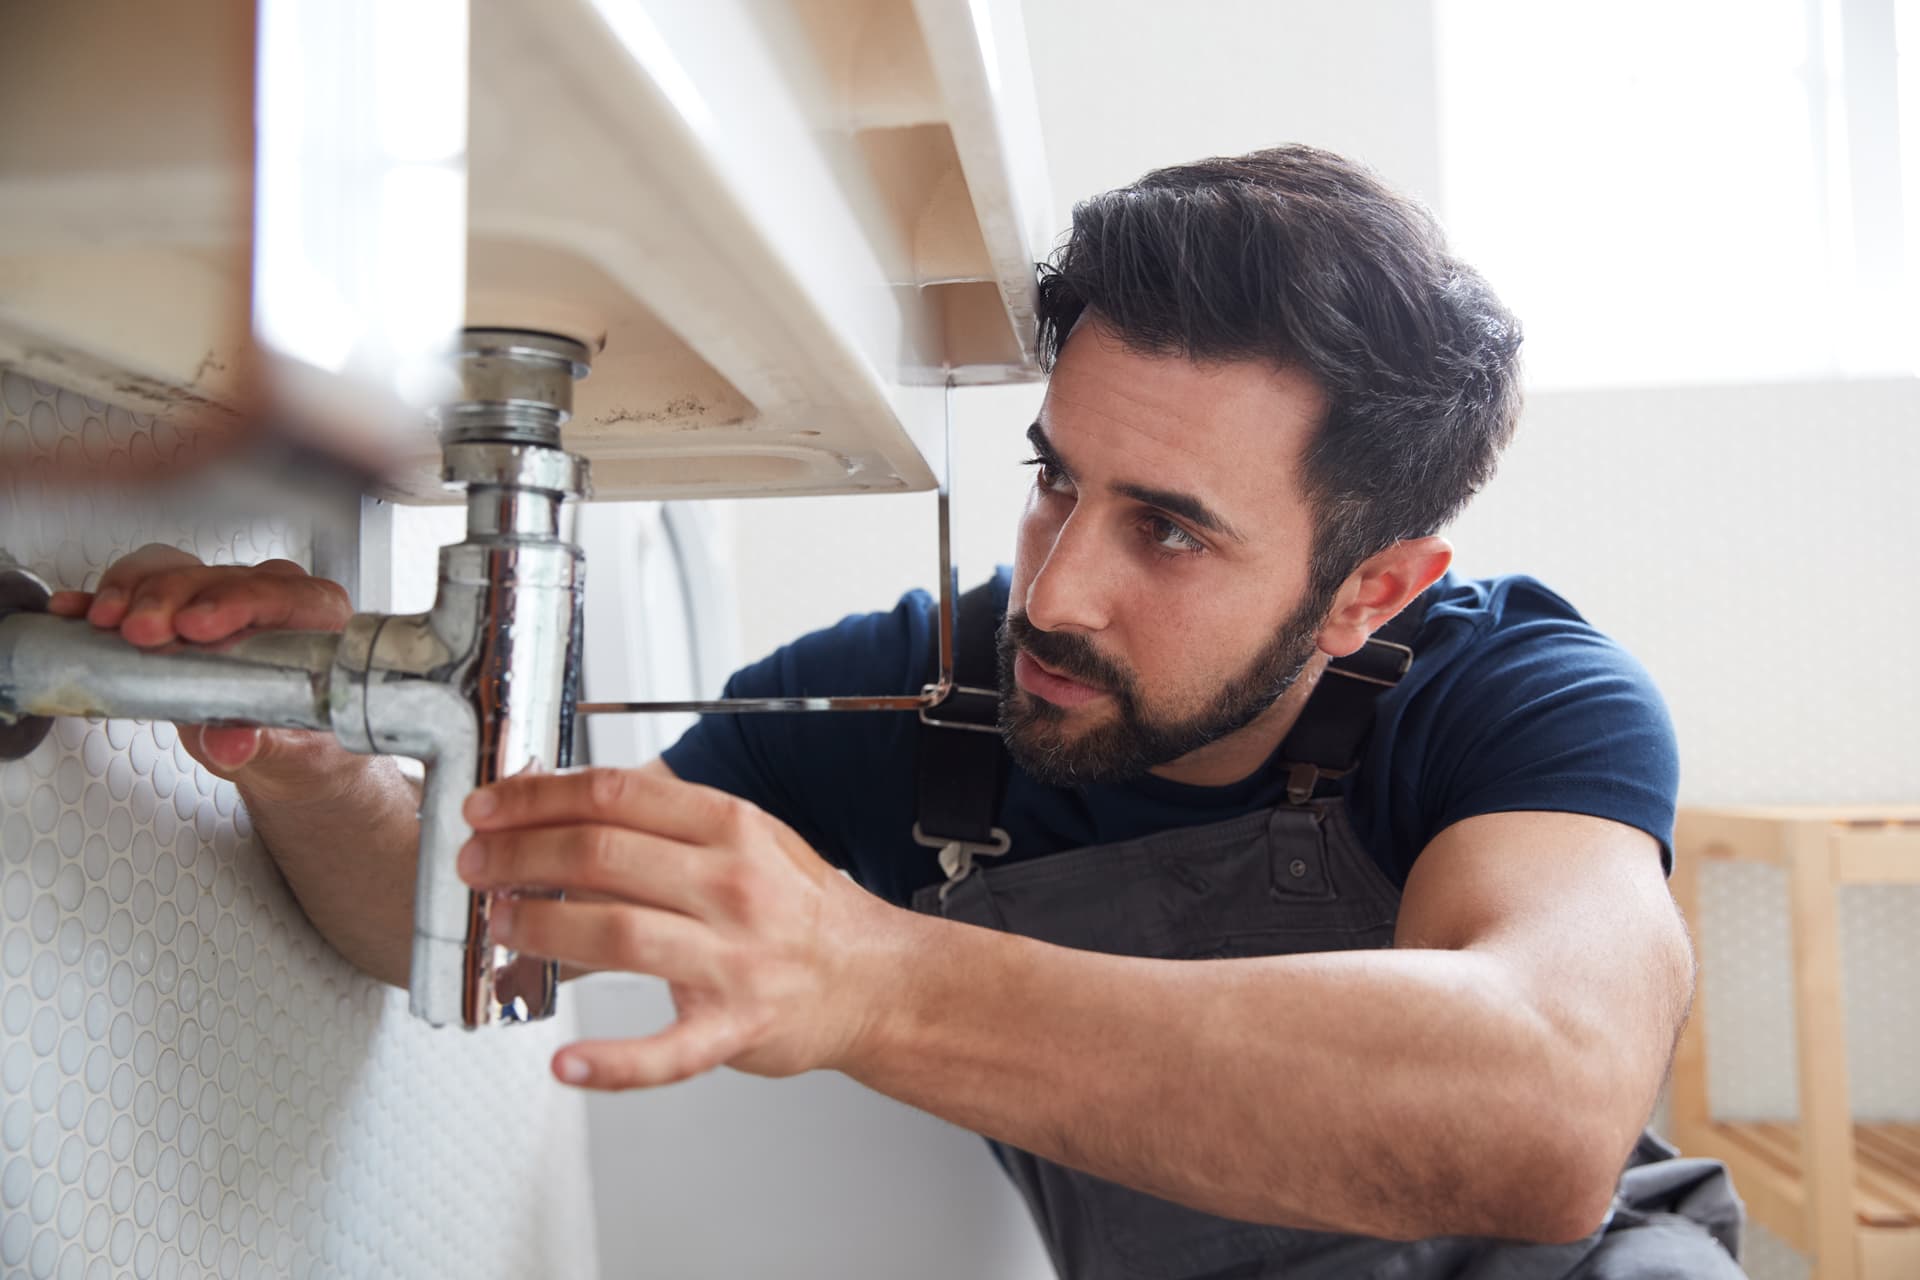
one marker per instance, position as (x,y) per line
(1304,260)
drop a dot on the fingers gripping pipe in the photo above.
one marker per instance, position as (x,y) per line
(480,687)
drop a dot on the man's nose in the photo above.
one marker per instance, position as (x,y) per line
(1071,591)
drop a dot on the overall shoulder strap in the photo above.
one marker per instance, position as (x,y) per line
(960,764)
(1325,741)
(960,767)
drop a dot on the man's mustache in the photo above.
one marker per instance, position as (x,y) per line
(1073,656)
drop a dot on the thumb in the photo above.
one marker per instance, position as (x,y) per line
(275,765)
(223,751)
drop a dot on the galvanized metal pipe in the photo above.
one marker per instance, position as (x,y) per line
(66,667)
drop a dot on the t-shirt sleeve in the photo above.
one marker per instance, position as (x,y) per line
(807,767)
(1550,714)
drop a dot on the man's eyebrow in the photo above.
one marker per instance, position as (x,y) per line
(1185,505)
(1044,448)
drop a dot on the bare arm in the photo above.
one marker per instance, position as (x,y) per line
(343,828)
(1487,1076)
(347,845)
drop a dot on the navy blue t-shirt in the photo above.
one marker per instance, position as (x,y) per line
(1513,702)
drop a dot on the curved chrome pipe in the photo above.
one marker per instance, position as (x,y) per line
(481,687)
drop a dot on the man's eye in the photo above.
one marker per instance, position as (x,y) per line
(1048,476)
(1170,537)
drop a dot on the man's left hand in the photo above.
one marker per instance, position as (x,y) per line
(757,936)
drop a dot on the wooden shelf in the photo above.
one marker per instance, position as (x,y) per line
(1845,1193)
(1764,1159)
(1886,1176)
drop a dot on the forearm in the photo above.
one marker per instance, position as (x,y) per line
(1388,1093)
(348,850)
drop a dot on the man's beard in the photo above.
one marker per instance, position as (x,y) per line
(1129,743)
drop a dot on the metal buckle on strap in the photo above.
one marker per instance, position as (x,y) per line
(956,856)
(1303,779)
(938,723)
(1403,653)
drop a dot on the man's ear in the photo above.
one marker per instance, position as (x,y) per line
(1382,586)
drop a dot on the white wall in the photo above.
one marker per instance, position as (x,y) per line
(1126,85)
(1751,545)
(811,1178)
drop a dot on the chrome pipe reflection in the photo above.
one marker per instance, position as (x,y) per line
(483,686)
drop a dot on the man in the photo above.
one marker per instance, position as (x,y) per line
(1224,1005)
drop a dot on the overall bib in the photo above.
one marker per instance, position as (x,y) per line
(1282,881)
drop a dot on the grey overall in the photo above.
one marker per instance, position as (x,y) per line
(1280,882)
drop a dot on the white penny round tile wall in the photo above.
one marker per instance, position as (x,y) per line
(192,1083)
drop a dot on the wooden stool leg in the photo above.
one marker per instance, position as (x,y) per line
(1826,1121)
(1688,1090)
(1688,1087)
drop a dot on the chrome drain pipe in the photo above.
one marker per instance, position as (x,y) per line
(482,686)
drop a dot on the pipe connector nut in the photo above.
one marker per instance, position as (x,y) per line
(514,386)
(516,466)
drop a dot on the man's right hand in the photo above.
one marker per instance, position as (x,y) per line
(159,594)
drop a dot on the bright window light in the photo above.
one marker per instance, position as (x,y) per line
(1681,191)
(1907,52)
